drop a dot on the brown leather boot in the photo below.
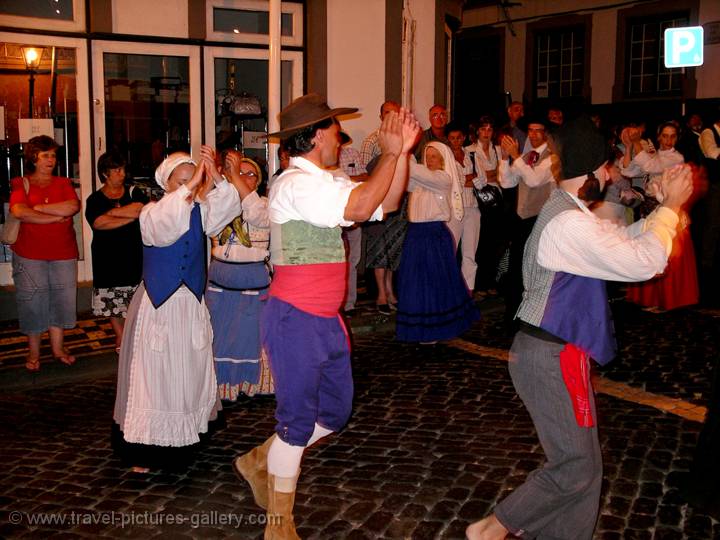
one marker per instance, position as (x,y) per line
(253,468)
(280,522)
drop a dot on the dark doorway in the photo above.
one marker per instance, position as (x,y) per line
(478,73)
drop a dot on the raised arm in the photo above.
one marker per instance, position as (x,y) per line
(410,132)
(366,198)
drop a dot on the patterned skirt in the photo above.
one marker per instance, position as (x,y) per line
(384,241)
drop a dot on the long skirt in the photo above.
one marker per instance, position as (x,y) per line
(677,286)
(434,302)
(240,364)
(235,295)
(166,390)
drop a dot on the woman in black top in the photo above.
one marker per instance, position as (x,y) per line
(113,213)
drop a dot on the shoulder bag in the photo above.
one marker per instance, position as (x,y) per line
(11,227)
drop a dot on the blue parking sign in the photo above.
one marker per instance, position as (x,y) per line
(683,47)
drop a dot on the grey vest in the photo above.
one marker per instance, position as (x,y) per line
(537,281)
(571,307)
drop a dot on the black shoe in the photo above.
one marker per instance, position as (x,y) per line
(350,313)
(384,309)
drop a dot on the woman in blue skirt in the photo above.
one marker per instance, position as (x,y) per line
(434,302)
(238,278)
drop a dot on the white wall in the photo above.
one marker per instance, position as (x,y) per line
(515,62)
(356,62)
(150,18)
(602,56)
(423,11)
(708,75)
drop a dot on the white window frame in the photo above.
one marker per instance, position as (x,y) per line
(99,48)
(295,9)
(211,53)
(84,142)
(77,24)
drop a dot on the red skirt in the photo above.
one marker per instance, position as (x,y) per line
(677,286)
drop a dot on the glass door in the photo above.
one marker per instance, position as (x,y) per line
(146,103)
(44,91)
(236,97)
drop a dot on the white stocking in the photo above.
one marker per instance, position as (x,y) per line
(284,459)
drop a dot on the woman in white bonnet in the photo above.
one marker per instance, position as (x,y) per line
(166,390)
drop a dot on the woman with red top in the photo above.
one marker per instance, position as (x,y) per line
(45,253)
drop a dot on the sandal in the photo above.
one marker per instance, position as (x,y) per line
(32,364)
(65,357)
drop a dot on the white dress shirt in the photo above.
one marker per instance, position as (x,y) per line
(580,243)
(305,192)
(539,174)
(163,222)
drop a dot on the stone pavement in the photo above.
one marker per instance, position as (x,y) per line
(436,438)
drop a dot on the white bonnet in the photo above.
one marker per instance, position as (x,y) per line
(169,164)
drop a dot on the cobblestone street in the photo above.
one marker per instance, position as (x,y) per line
(436,438)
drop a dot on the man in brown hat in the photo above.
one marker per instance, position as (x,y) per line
(302,331)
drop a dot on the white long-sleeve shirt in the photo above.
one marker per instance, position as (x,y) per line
(256,218)
(580,243)
(163,222)
(655,164)
(541,173)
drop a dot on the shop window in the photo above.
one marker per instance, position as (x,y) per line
(646,74)
(147,109)
(64,15)
(247,21)
(39,83)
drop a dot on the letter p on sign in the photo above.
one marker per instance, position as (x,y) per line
(683,47)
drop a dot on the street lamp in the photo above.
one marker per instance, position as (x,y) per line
(32,57)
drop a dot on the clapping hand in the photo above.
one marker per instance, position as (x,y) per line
(410,129)
(510,146)
(390,135)
(676,186)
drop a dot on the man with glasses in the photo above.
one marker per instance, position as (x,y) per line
(436,132)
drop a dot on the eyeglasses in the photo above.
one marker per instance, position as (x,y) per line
(439,115)
(251,174)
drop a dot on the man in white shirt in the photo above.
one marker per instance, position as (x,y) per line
(565,320)
(532,174)
(301,329)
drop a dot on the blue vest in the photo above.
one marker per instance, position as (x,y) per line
(165,269)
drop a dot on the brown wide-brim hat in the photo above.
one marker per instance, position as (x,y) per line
(306,111)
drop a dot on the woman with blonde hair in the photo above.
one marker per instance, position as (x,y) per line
(238,279)
(434,302)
